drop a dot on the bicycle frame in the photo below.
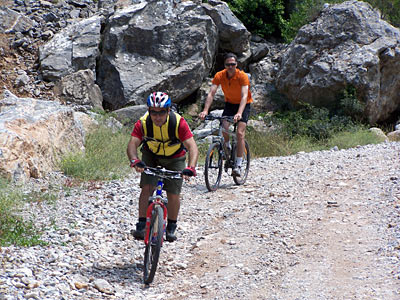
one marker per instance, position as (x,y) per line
(220,138)
(158,199)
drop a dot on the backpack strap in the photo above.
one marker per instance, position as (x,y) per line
(149,128)
(172,129)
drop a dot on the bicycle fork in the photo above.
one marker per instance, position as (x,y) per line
(154,201)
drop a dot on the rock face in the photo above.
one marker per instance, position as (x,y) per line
(233,35)
(155,46)
(12,21)
(74,48)
(79,88)
(33,134)
(347,45)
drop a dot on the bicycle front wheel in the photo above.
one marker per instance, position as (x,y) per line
(245,166)
(153,248)
(213,167)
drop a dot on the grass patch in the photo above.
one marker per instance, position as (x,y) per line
(278,144)
(305,129)
(14,230)
(104,157)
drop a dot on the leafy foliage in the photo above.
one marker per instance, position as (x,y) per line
(276,18)
(350,106)
(305,11)
(390,10)
(261,17)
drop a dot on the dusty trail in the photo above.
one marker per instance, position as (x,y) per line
(313,226)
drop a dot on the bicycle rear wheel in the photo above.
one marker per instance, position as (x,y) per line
(213,167)
(245,166)
(153,248)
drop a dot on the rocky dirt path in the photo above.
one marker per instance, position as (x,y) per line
(320,225)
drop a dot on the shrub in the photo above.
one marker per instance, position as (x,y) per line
(261,17)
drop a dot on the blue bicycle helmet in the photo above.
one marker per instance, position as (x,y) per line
(158,99)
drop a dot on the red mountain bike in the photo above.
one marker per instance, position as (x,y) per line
(156,219)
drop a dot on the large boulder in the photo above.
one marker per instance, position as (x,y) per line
(34,133)
(12,21)
(74,48)
(233,35)
(79,89)
(155,45)
(348,45)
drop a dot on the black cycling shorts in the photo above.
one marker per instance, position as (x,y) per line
(232,109)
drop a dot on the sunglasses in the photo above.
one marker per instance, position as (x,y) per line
(157,113)
(230,65)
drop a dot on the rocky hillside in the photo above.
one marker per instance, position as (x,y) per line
(320,225)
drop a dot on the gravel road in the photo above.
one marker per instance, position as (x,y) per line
(320,225)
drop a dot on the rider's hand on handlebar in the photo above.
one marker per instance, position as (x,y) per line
(237,117)
(203,114)
(138,165)
(188,172)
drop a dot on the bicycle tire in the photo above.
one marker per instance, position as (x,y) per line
(213,163)
(153,248)
(245,162)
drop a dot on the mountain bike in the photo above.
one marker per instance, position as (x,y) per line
(156,219)
(218,153)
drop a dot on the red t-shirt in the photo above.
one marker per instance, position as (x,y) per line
(184,133)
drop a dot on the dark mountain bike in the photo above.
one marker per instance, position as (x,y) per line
(218,153)
(156,219)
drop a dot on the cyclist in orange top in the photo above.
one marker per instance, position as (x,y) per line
(236,87)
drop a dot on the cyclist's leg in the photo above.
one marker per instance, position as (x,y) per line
(145,193)
(229,110)
(225,134)
(147,183)
(173,187)
(173,210)
(174,205)
(240,134)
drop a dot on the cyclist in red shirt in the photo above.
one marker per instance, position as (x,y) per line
(166,137)
(236,87)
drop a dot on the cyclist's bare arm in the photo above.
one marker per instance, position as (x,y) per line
(191,146)
(243,101)
(209,100)
(132,151)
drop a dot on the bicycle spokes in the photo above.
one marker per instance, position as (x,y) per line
(213,166)
(153,247)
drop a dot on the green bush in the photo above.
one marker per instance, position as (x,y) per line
(306,11)
(261,17)
(306,121)
(350,106)
(390,10)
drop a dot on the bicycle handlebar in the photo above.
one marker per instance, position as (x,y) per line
(227,118)
(163,173)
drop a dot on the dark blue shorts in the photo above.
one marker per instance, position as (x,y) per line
(232,109)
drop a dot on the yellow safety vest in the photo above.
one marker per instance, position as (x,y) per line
(162,140)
